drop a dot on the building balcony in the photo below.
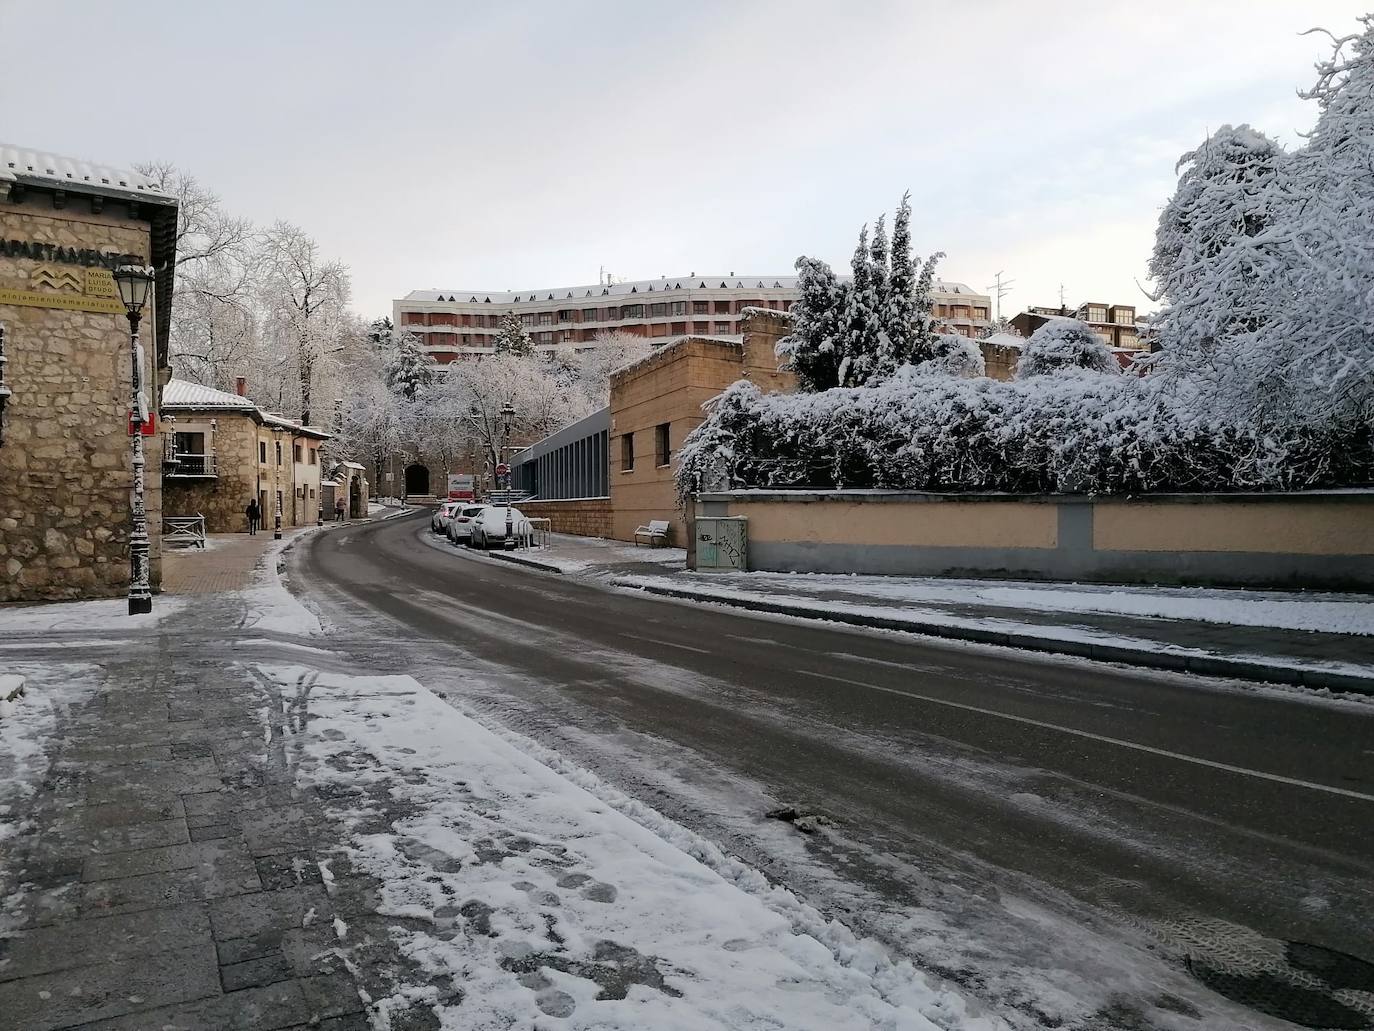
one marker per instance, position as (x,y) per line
(183,466)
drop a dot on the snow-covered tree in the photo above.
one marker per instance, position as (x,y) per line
(1065,345)
(813,350)
(306,298)
(409,368)
(952,355)
(511,337)
(1223,262)
(591,367)
(862,330)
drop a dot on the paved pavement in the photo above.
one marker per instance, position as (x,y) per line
(169,875)
(227,563)
(1046,833)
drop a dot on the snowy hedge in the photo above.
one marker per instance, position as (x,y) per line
(1063,344)
(1049,434)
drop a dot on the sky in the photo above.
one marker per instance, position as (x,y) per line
(454,145)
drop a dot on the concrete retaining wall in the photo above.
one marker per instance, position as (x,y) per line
(1318,539)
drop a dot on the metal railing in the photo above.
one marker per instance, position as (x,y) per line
(189,530)
(538,538)
(202,466)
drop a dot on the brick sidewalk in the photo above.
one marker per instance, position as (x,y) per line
(171,874)
(227,565)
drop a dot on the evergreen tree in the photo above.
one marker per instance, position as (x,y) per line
(379,332)
(1065,345)
(410,371)
(901,314)
(861,321)
(813,349)
(512,338)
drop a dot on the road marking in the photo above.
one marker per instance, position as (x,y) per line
(667,644)
(1244,771)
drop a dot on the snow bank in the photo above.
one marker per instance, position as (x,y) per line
(544,901)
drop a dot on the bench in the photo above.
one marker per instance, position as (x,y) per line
(655,533)
(188,530)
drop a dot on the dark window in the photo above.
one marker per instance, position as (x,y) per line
(722,327)
(546,318)
(627,452)
(722,307)
(701,327)
(279,452)
(679,307)
(262,451)
(589,315)
(661,452)
(296,453)
(700,307)
(314,458)
(658,310)
(632,311)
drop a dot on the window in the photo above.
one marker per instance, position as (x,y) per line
(314,457)
(262,452)
(279,452)
(312,489)
(296,454)
(588,314)
(679,308)
(980,313)
(190,443)
(632,311)
(661,452)
(722,327)
(1096,314)
(1123,316)
(627,452)
(700,307)
(679,328)
(658,330)
(722,307)
(546,318)
(697,327)
(527,320)
(658,311)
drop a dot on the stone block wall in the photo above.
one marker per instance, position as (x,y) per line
(65,467)
(585,517)
(223,499)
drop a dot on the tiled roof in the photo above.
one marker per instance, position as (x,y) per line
(22,164)
(637,288)
(182,393)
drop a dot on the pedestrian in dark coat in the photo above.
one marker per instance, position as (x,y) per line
(254,514)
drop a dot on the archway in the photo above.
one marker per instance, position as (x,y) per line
(417,480)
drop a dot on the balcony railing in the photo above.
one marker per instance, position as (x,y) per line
(187,466)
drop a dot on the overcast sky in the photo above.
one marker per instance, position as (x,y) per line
(443,144)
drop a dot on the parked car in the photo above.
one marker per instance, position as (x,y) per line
(460,525)
(489,526)
(438,522)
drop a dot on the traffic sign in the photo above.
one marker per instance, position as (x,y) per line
(149,428)
(502,469)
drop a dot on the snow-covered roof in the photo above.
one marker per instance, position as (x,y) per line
(23,164)
(181,393)
(1005,340)
(638,287)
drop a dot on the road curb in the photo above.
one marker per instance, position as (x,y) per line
(520,560)
(1204,665)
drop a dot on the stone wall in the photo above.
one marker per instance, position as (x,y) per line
(223,499)
(65,468)
(1311,539)
(585,517)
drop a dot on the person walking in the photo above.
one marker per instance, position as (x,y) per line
(338,510)
(254,514)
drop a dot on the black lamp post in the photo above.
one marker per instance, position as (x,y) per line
(507,422)
(134,283)
(276,501)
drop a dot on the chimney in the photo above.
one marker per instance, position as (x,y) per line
(241,386)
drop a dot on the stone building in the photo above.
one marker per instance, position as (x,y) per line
(222,450)
(65,464)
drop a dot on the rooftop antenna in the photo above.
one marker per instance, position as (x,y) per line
(1000,288)
(1061,297)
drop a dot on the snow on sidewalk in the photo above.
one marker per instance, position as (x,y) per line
(1284,610)
(543,902)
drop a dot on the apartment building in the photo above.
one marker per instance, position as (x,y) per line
(1114,323)
(451,323)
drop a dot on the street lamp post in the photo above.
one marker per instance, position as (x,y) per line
(276,481)
(134,282)
(507,421)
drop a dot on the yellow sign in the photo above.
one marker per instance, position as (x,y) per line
(90,289)
(67,302)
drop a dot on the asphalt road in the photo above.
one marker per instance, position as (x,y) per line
(1074,844)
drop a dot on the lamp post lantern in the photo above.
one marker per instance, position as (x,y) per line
(276,482)
(134,283)
(507,422)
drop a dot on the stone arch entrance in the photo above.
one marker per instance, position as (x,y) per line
(417,480)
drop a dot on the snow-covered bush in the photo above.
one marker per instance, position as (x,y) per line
(953,355)
(1061,345)
(1048,434)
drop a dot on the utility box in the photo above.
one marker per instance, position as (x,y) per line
(722,542)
